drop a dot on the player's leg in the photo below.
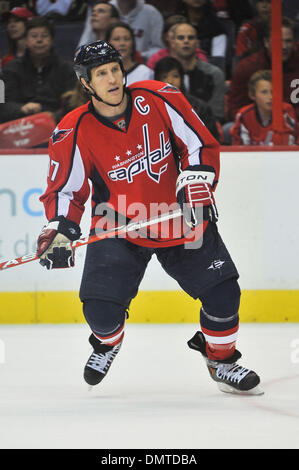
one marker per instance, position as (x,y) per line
(219,318)
(219,321)
(208,273)
(112,273)
(107,322)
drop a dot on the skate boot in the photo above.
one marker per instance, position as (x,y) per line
(230,376)
(100,360)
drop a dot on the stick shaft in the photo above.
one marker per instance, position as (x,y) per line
(132,226)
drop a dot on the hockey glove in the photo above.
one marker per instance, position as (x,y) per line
(195,196)
(53,244)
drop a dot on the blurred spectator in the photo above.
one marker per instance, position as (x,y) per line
(250,36)
(231,14)
(74,98)
(202,79)
(146,22)
(210,31)
(290,9)
(253,124)
(77,11)
(166,7)
(100,16)
(166,39)
(37,81)
(56,9)
(261,60)
(235,10)
(7,5)
(16,28)
(121,36)
(170,70)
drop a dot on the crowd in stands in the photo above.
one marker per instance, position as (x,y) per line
(217,52)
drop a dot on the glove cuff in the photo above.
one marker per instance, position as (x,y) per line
(194,175)
(66,227)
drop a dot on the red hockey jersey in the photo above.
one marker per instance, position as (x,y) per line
(249,130)
(132,166)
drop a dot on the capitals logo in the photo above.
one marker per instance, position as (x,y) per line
(60,134)
(146,162)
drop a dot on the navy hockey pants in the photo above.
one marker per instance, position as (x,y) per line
(115,267)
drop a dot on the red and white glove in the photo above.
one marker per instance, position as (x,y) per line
(53,244)
(195,196)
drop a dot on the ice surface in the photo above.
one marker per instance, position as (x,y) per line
(157,395)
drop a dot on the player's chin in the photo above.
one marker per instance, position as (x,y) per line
(115,97)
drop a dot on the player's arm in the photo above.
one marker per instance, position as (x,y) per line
(199,161)
(64,199)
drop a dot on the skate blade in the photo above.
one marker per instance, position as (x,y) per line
(229,389)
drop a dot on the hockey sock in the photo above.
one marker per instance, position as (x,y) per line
(220,352)
(111,340)
(219,319)
(220,342)
(106,320)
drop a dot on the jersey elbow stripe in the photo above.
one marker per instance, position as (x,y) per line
(74,183)
(187,135)
(63,197)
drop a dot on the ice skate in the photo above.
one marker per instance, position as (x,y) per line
(230,376)
(100,361)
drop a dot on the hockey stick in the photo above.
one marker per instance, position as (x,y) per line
(122,229)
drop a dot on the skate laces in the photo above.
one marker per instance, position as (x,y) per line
(102,361)
(231,372)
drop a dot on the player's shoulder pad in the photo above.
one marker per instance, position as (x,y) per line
(154,86)
(160,90)
(68,124)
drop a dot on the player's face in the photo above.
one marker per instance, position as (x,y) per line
(184,41)
(263,96)
(122,40)
(39,41)
(173,78)
(107,82)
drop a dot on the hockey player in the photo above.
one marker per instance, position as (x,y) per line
(141,146)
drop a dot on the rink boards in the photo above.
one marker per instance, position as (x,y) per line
(257,199)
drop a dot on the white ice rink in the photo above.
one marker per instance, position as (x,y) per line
(157,395)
